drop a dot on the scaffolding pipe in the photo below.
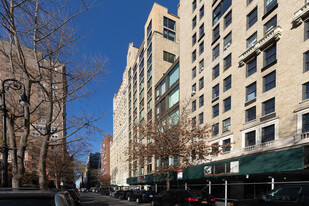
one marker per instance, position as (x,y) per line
(225,193)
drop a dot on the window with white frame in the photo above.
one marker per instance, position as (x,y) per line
(250,138)
(226,125)
(268,133)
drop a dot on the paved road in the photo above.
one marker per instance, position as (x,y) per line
(94,199)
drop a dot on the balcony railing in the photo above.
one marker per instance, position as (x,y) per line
(271,36)
(301,14)
(304,135)
(259,146)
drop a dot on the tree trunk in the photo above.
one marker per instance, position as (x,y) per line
(168,184)
(42,163)
(14,164)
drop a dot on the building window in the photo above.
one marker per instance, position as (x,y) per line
(169,34)
(194,39)
(201,48)
(252,18)
(251,114)
(251,67)
(201,118)
(193,72)
(269,106)
(216,33)
(270,55)
(227,61)
(201,83)
(306,30)
(227,83)
(168,57)
(215,129)
(220,10)
(194,88)
(201,31)
(215,110)
(227,41)
(193,5)
(202,12)
(194,22)
(251,91)
(269,81)
(226,125)
(306,91)
(194,106)
(169,23)
(269,5)
(201,66)
(306,61)
(305,126)
(215,71)
(216,52)
(250,139)
(215,91)
(227,104)
(251,40)
(149,28)
(193,122)
(249,1)
(201,100)
(268,133)
(173,76)
(228,19)
(226,145)
(193,55)
(173,97)
(270,24)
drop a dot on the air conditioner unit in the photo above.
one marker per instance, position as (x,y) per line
(193,93)
(201,69)
(227,46)
(227,128)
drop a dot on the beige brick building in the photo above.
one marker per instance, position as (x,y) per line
(119,145)
(145,67)
(249,81)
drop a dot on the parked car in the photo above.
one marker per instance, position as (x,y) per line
(112,193)
(290,195)
(35,197)
(104,192)
(83,190)
(141,196)
(125,194)
(74,194)
(117,193)
(183,198)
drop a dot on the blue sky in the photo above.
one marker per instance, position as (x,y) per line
(109,29)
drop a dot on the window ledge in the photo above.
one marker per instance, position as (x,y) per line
(270,37)
(249,122)
(269,12)
(201,37)
(304,101)
(269,65)
(268,116)
(215,99)
(301,14)
(215,40)
(250,102)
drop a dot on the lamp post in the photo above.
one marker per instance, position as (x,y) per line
(15,85)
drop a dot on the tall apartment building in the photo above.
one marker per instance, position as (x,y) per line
(119,146)
(39,117)
(147,65)
(105,156)
(245,69)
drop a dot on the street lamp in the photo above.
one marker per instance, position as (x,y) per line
(15,85)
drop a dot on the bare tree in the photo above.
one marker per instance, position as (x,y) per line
(38,39)
(173,144)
